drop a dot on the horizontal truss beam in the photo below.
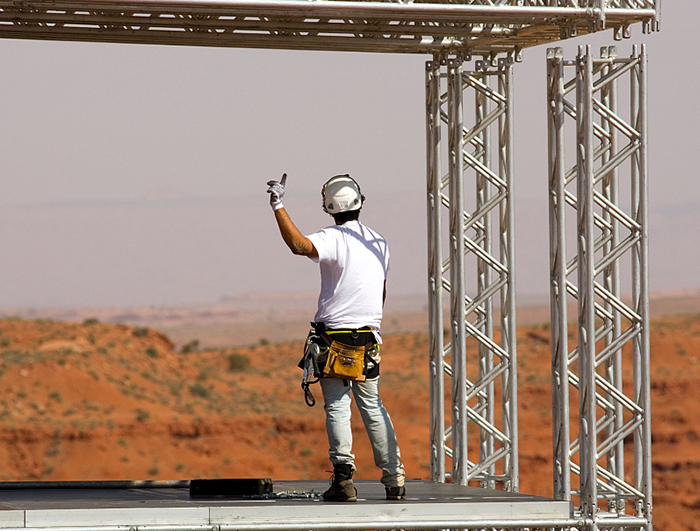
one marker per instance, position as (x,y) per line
(412,27)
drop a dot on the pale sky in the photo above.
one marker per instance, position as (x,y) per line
(100,143)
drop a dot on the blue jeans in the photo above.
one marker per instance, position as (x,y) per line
(336,395)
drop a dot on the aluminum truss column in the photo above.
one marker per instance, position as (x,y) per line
(557,267)
(586,279)
(457,278)
(484,276)
(640,291)
(435,313)
(475,348)
(611,240)
(507,275)
(611,278)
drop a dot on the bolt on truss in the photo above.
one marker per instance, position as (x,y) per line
(404,26)
(479,360)
(608,369)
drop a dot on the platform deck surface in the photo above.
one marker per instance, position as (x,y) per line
(425,501)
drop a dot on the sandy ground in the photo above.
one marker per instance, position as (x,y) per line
(108,401)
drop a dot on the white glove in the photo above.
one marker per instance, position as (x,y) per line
(276,191)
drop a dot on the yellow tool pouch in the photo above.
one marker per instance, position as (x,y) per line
(345,361)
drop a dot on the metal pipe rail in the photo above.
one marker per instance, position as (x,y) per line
(433,27)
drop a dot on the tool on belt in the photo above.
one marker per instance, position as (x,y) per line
(348,354)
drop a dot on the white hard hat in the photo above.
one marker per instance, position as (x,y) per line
(341,194)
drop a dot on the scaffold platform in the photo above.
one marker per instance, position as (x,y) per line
(295,505)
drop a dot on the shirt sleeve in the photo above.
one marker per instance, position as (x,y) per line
(325,242)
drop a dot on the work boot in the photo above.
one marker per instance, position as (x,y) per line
(342,488)
(395,493)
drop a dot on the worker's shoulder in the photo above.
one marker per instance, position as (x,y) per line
(370,230)
(355,228)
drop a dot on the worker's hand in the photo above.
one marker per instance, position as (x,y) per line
(276,191)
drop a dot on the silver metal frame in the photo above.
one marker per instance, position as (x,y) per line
(611,233)
(480,227)
(407,26)
(472,235)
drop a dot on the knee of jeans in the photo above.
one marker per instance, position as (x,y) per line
(337,406)
(371,404)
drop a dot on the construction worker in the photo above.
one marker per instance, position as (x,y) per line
(354,261)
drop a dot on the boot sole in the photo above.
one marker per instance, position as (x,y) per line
(348,499)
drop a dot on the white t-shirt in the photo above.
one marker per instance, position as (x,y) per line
(354,262)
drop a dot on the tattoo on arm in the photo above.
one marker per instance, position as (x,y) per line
(300,248)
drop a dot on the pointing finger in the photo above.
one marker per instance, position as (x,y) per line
(283,182)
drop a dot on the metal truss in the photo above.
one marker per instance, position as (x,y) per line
(407,26)
(611,241)
(473,259)
(480,229)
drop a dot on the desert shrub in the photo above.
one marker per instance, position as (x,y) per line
(199,390)
(192,346)
(238,362)
(142,415)
(55,395)
(91,406)
(54,449)
(13,356)
(151,352)
(140,332)
(91,321)
(206,372)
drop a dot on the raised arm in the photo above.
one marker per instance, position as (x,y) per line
(295,240)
